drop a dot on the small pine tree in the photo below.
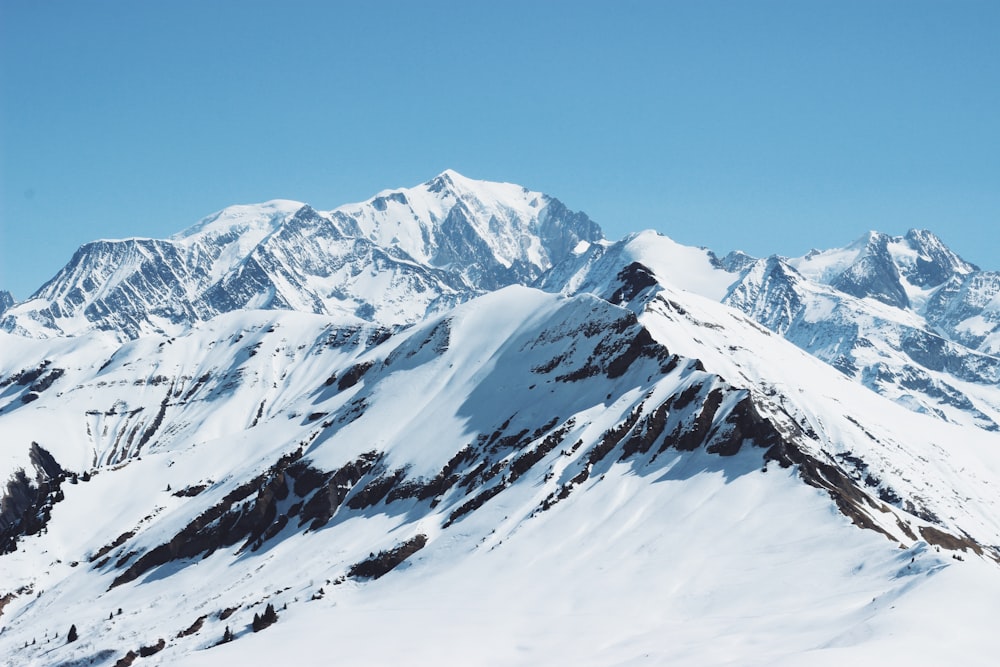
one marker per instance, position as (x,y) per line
(72,637)
(261,621)
(227,636)
(270,616)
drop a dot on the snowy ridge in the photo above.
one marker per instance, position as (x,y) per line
(696,270)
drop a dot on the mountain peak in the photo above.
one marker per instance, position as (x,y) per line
(934,262)
(868,240)
(258,219)
(481,192)
(446,178)
(449,179)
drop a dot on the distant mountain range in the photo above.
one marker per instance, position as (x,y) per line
(455,423)
(392,259)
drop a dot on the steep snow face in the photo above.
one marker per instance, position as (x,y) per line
(475,468)
(248,223)
(773,293)
(874,344)
(925,261)
(840,418)
(227,237)
(138,286)
(967,310)
(392,260)
(124,287)
(890,350)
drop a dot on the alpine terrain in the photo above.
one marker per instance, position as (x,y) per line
(453,424)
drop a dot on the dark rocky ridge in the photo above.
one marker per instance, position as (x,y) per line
(26,504)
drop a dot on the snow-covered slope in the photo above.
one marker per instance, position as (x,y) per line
(392,260)
(265,456)
(614,466)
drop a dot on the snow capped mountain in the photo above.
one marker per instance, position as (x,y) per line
(894,270)
(491,234)
(392,260)
(889,312)
(896,314)
(452,422)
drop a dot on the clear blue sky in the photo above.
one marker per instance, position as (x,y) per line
(772,127)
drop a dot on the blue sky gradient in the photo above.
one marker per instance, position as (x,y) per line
(772,127)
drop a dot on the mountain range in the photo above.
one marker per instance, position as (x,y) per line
(455,423)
